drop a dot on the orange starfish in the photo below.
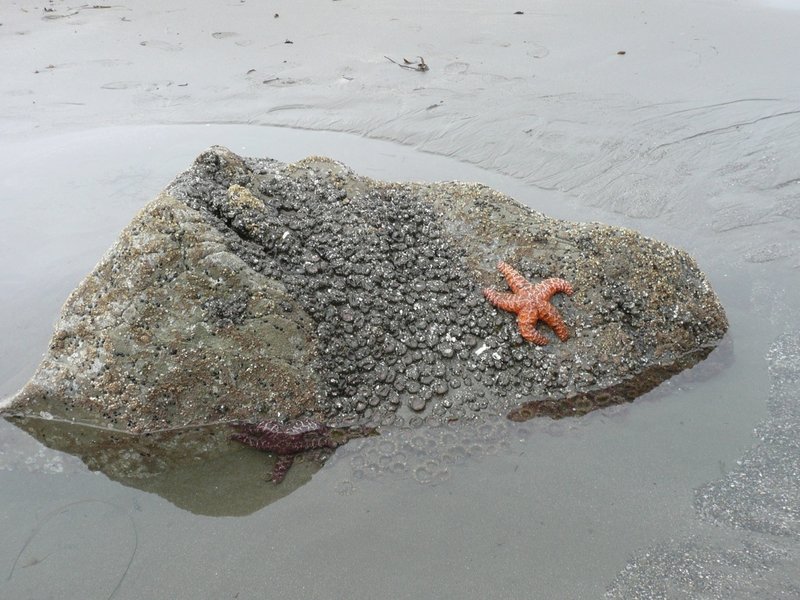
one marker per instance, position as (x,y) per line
(531,303)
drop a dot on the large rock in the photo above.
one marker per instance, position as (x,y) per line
(251,288)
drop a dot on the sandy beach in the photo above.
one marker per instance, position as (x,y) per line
(582,98)
(679,119)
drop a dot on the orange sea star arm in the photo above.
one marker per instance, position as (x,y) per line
(526,320)
(514,278)
(550,315)
(551,286)
(503,300)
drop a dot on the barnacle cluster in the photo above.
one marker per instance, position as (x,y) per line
(402,330)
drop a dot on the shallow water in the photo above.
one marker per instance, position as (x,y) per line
(545,509)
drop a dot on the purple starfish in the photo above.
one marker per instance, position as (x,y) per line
(292,438)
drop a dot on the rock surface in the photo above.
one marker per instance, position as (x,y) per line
(253,289)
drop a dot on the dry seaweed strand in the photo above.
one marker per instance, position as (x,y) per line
(420,66)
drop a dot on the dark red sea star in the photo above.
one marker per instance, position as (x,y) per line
(287,440)
(531,303)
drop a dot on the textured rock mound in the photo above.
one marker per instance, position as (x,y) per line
(252,289)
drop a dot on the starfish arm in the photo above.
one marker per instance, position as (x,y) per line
(551,286)
(550,315)
(515,280)
(527,327)
(246,437)
(282,466)
(503,300)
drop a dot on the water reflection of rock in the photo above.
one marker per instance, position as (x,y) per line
(195,468)
(430,454)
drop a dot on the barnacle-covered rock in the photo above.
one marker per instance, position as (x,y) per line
(252,289)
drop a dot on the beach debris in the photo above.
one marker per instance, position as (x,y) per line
(51,13)
(411,64)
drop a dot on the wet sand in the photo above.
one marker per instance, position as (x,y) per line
(690,136)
